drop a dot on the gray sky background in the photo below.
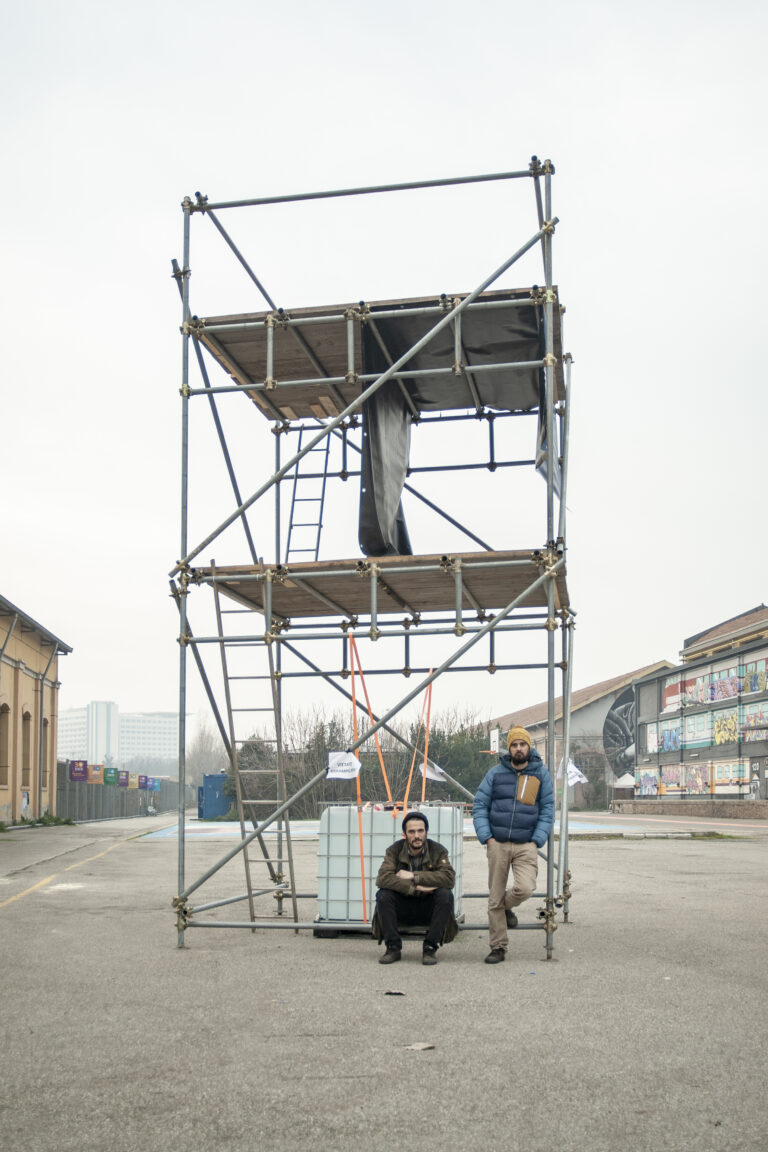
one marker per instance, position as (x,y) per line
(654,116)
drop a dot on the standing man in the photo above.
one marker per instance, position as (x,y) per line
(414,881)
(513,813)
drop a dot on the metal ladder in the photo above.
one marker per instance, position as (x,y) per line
(306,544)
(258,768)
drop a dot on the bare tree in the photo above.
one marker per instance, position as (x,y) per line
(205,755)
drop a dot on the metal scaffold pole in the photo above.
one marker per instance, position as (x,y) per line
(182,590)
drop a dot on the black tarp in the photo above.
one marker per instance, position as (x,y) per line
(386,446)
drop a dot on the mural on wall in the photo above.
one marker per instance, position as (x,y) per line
(619,733)
(672,775)
(691,778)
(669,736)
(697,778)
(646,782)
(726,726)
(718,684)
(755,726)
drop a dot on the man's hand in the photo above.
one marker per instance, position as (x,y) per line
(424,888)
(404,874)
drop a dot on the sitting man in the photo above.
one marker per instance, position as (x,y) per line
(415,882)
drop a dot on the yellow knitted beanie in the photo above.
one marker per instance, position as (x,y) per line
(518,733)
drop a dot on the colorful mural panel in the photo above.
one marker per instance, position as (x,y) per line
(755,723)
(726,727)
(754,677)
(669,735)
(697,778)
(724,687)
(647,782)
(672,776)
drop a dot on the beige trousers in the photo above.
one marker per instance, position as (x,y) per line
(524,861)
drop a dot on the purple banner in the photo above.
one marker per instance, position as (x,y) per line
(78,769)
(122,778)
(143,781)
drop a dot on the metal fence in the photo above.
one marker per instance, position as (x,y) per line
(78,800)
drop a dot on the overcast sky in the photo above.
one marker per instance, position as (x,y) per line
(654,116)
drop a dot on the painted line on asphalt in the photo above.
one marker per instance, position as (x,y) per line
(48,879)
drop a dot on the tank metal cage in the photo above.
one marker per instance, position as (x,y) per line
(489,356)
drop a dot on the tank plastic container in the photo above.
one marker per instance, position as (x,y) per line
(339,881)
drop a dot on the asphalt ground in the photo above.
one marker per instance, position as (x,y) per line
(646,1030)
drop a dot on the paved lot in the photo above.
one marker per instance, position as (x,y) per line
(646,1030)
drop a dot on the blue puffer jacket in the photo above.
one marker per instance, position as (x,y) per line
(500,809)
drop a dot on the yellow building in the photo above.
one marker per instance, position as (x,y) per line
(29,690)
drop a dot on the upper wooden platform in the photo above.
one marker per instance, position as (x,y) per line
(504,327)
(405,584)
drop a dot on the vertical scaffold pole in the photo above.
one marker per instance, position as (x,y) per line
(551,457)
(563,875)
(187,206)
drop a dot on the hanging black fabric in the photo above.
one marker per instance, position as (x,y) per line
(386,445)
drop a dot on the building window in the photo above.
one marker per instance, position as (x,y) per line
(26,750)
(5,743)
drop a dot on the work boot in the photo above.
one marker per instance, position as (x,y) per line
(495,956)
(511,919)
(429,954)
(390,956)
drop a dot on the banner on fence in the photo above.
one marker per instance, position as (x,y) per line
(110,775)
(122,778)
(78,769)
(95,773)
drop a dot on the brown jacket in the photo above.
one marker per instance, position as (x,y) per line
(436,873)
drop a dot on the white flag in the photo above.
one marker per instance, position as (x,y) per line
(575,775)
(495,733)
(342,766)
(433,772)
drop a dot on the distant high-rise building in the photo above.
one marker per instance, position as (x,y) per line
(91,733)
(72,743)
(99,733)
(149,736)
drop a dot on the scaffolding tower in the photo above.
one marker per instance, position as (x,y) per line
(343,387)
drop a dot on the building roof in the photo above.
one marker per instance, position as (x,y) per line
(10,610)
(537,713)
(728,633)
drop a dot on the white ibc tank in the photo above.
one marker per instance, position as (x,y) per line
(339,884)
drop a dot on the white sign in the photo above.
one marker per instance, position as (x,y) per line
(433,772)
(342,766)
(495,733)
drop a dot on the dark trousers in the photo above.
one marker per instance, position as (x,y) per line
(432,910)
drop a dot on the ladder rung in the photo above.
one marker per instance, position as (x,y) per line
(258,771)
(272,803)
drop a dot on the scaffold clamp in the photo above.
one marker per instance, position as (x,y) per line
(182,912)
